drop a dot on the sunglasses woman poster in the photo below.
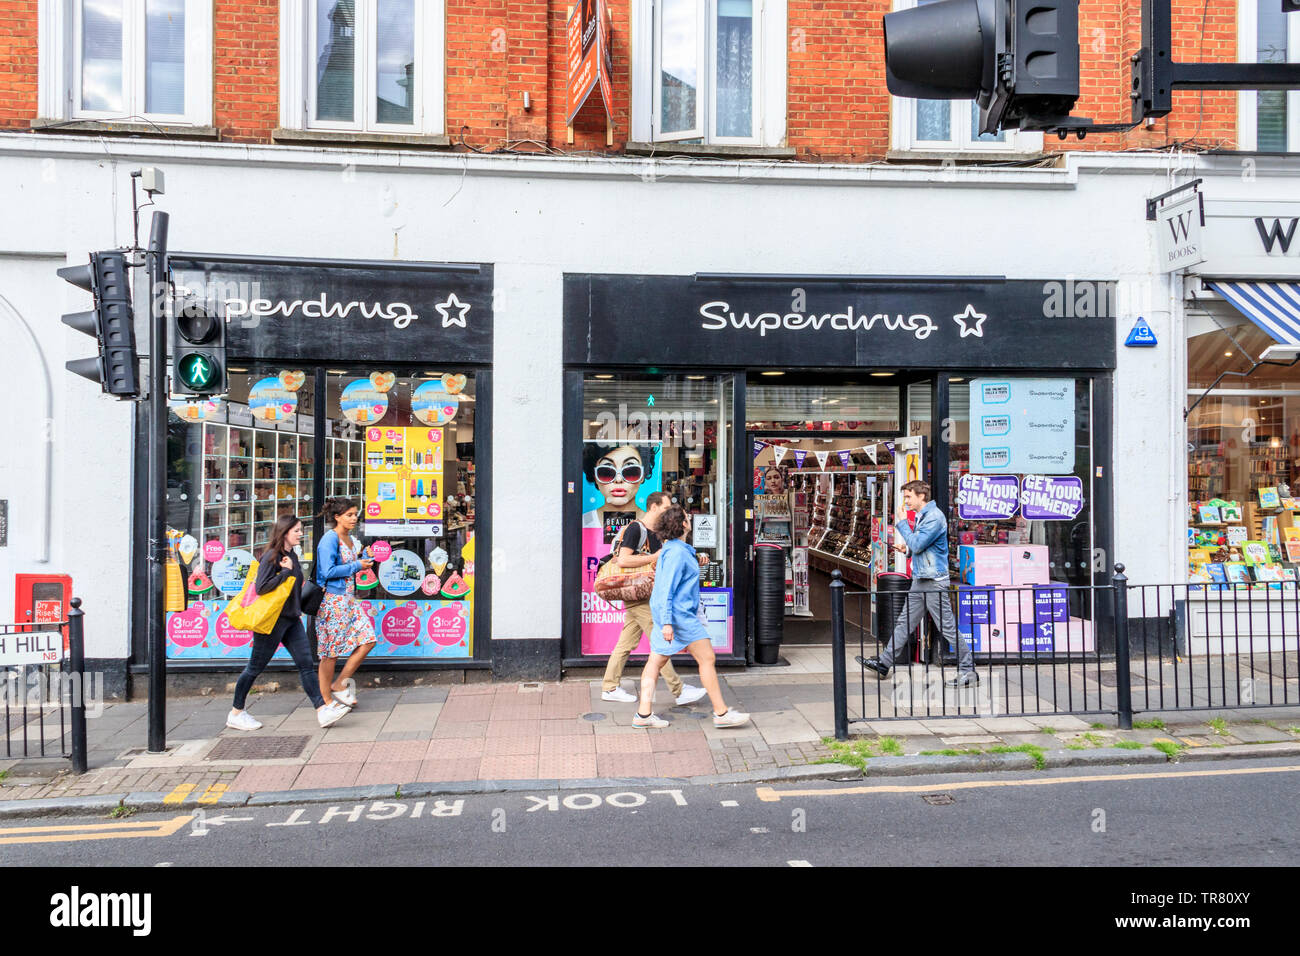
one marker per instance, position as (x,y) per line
(616,478)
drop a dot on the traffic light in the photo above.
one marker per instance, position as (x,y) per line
(198,350)
(1018,59)
(112,321)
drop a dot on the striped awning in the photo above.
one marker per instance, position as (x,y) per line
(1273,306)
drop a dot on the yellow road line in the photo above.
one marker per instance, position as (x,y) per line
(768,795)
(179,794)
(213,793)
(93,831)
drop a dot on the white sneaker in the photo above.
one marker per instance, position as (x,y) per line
(651,721)
(331,714)
(690,694)
(732,718)
(242,721)
(618,694)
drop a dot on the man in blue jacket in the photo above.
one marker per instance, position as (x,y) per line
(928,546)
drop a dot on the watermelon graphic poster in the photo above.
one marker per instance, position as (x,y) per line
(403,481)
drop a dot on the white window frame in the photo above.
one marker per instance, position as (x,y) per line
(59,47)
(298,64)
(903,127)
(769,110)
(1247,101)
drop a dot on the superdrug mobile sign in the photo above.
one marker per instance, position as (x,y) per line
(815,323)
(331,311)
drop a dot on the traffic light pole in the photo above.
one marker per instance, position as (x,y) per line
(156,269)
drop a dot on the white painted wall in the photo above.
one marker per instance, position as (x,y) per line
(536,218)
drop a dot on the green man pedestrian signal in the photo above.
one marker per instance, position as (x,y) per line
(112,321)
(198,350)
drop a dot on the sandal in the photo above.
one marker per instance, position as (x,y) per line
(347,696)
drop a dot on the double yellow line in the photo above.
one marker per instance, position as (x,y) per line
(71,833)
(768,795)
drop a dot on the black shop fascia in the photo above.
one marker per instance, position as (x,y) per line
(692,344)
(357,379)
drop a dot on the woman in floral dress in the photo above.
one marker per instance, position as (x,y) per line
(343,628)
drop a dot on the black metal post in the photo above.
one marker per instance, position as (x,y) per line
(156,269)
(77,665)
(1123,690)
(837,657)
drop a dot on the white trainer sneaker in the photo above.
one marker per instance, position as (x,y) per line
(732,718)
(331,714)
(242,721)
(651,721)
(690,694)
(618,694)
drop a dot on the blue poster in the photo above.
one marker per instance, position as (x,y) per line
(1022,426)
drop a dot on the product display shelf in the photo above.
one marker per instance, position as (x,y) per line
(343,476)
(248,483)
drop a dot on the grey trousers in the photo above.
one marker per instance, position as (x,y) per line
(932,595)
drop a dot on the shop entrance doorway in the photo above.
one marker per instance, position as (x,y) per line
(823,482)
(824,499)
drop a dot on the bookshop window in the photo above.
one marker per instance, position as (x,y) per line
(1243,456)
(646,433)
(1020,473)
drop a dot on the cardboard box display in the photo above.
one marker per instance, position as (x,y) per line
(984,565)
(1029,564)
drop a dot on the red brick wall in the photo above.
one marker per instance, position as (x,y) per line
(1109,32)
(18,63)
(246,69)
(837,105)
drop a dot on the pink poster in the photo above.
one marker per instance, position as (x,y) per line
(602,622)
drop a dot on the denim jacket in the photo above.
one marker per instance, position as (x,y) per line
(332,576)
(928,544)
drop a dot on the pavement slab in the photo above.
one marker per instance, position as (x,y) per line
(437,770)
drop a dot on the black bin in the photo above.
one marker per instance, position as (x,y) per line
(891,604)
(769,602)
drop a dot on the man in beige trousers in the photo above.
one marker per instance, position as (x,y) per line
(637,549)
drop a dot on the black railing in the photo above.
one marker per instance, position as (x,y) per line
(1047,649)
(44,703)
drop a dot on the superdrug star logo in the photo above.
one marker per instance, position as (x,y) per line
(453,304)
(971,322)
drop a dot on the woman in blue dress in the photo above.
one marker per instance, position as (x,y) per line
(675,608)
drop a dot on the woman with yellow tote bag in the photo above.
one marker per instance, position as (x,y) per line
(276,607)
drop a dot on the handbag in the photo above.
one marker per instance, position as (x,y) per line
(250,611)
(312,594)
(614,584)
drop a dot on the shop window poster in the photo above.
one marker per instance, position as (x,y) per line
(436,402)
(404,628)
(616,478)
(271,401)
(403,481)
(1022,426)
(364,401)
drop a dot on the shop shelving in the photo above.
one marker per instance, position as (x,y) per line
(247,485)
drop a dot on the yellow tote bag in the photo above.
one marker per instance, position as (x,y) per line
(250,611)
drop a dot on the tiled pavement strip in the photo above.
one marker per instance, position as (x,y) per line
(558,731)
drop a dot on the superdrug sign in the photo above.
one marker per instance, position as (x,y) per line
(820,323)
